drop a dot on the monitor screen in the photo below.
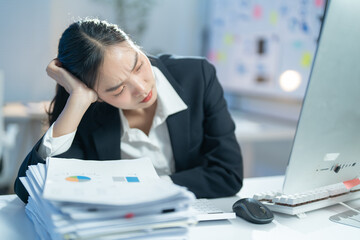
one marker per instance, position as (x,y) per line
(326,148)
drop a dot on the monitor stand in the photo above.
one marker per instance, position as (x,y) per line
(350,218)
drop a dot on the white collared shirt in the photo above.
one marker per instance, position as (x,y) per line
(134,142)
(157,146)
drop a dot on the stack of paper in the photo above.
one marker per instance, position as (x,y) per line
(124,199)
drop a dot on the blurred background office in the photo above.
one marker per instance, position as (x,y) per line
(263,51)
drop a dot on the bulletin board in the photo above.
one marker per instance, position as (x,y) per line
(252,42)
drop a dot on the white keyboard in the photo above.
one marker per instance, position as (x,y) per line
(297,204)
(204,210)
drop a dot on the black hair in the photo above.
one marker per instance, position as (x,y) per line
(81,52)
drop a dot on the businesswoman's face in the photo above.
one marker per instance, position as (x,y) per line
(126,79)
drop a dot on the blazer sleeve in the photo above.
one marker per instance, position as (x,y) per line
(33,158)
(220,173)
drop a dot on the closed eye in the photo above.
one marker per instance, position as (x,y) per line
(139,68)
(121,91)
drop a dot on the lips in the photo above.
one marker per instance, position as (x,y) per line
(147,98)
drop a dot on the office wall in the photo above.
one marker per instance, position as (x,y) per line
(253,42)
(256,41)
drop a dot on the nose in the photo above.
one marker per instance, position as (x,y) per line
(138,86)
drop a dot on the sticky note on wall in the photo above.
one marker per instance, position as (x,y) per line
(319,3)
(228,39)
(273,18)
(257,12)
(306,59)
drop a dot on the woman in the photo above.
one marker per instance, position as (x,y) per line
(114,102)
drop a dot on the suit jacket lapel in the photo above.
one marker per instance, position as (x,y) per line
(178,123)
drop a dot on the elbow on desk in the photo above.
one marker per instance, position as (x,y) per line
(228,189)
(209,186)
(231,189)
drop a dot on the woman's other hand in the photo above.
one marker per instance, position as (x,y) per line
(71,84)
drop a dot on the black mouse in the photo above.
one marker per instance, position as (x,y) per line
(253,211)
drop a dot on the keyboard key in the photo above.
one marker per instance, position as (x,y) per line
(299,203)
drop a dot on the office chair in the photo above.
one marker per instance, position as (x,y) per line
(7,142)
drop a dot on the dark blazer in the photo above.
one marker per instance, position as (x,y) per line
(207,156)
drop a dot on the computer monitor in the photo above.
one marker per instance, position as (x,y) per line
(1,114)
(326,147)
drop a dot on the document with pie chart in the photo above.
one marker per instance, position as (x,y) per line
(113,182)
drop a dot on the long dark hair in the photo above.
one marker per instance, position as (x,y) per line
(81,52)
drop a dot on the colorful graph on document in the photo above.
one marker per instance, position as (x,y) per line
(128,179)
(78,179)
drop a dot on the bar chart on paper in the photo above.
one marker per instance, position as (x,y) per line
(129,179)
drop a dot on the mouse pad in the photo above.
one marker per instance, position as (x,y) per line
(349,218)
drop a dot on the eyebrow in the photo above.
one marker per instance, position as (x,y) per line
(113,88)
(132,69)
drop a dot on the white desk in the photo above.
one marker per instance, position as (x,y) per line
(15,225)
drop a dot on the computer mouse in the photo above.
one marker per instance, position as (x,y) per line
(253,211)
